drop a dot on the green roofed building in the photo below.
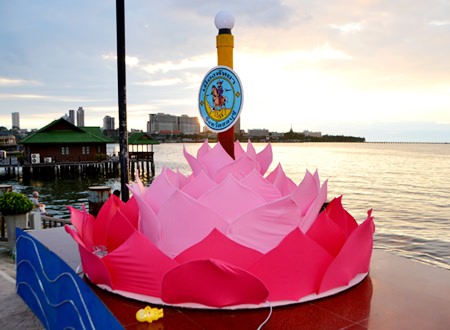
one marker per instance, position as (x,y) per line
(61,141)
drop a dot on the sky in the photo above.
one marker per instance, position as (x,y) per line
(378,69)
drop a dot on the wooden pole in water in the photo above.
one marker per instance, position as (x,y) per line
(121,86)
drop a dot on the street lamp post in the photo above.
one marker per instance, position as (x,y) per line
(224,22)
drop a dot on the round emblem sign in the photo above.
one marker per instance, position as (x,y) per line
(220,98)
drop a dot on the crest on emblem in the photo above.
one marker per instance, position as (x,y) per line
(220,98)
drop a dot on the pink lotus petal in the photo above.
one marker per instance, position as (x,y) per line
(215,159)
(198,185)
(306,192)
(138,266)
(353,259)
(251,152)
(77,218)
(265,189)
(341,217)
(193,162)
(212,283)
(148,224)
(238,150)
(217,246)
(230,199)
(159,191)
(239,168)
(281,181)
(130,211)
(75,235)
(203,150)
(93,266)
(293,269)
(173,177)
(327,233)
(315,207)
(100,224)
(181,230)
(265,227)
(265,158)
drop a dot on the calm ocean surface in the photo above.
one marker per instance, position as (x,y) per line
(406,185)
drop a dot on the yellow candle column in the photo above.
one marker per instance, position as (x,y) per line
(224,22)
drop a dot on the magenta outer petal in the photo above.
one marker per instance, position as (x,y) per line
(341,217)
(218,246)
(294,268)
(327,234)
(212,283)
(138,266)
(353,259)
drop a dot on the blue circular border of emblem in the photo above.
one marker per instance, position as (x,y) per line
(233,93)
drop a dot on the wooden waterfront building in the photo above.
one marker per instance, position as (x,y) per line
(63,149)
(61,141)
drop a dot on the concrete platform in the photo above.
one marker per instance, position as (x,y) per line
(397,294)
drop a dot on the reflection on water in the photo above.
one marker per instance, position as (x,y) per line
(406,185)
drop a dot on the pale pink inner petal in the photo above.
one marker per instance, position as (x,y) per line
(198,185)
(239,168)
(256,182)
(305,193)
(203,150)
(180,230)
(251,152)
(279,179)
(230,199)
(215,159)
(315,207)
(264,227)
(265,158)
(159,191)
(193,162)
(238,150)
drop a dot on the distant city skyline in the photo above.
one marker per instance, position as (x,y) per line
(377,69)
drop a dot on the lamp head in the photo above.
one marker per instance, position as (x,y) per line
(224,21)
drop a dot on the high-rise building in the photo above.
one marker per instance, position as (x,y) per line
(189,125)
(80,117)
(71,117)
(161,123)
(108,123)
(15,116)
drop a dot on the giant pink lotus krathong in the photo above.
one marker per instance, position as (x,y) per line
(225,236)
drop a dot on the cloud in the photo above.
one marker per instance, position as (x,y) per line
(439,23)
(130,61)
(24,96)
(6,82)
(347,27)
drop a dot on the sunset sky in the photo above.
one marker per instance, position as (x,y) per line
(377,69)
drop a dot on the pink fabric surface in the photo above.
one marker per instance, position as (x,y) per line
(353,258)
(217,246)
(212,282)
(294,268)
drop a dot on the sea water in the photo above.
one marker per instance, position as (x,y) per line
(406,185)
